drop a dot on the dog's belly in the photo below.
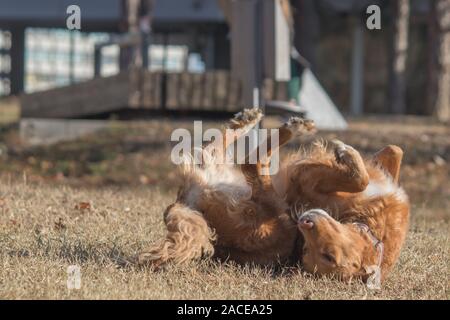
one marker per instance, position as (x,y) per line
(382,188)
(245,230)
(225,182)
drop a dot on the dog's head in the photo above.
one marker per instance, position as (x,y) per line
(333,248)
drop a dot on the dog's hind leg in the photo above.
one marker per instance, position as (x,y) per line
(257,174)
(188,238)
(237,127)
(346,173)
(390,159)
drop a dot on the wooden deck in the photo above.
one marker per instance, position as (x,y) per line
(82,99)
(142,89)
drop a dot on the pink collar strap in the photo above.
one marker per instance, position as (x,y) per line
(378,244)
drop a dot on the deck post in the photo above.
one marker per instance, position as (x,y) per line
(17,54)
(357,72)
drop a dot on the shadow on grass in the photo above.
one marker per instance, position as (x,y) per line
(79,252)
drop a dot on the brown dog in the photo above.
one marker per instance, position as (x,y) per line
(239,213)
(229,211)
(352,213)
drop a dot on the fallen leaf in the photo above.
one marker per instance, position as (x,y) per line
(83,206)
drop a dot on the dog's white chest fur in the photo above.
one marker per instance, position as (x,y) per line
(224,179)
(383,188)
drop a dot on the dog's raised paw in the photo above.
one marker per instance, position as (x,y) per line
(300,126)
(246,117)
(343,152)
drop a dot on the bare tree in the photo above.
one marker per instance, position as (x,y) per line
(440,96)
(399,47)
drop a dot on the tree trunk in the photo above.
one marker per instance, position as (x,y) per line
(397,85)
(439,87)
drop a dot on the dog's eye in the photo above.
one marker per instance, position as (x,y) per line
(328,258)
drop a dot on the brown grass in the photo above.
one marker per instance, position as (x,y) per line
(44,228)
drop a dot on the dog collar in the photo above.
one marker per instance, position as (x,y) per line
(378,244)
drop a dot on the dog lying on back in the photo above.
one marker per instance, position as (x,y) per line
(351,213)
(226,210)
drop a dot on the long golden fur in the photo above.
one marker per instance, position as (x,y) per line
(238,213)
(250,222)
(364,213)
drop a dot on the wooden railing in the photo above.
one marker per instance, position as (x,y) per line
(142,89)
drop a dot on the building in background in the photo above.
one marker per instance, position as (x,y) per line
(55,58)
(189,34)
(351,62)
(5,62)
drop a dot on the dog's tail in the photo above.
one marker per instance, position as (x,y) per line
(188,237)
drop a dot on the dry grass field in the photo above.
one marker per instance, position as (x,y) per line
(96,201)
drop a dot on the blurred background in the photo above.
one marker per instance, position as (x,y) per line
(97,105)
(86,118)
(188,37)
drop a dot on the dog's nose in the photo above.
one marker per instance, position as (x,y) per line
(307,219)
(306,223)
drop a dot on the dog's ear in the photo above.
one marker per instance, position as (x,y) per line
(370,271)
(369,259)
